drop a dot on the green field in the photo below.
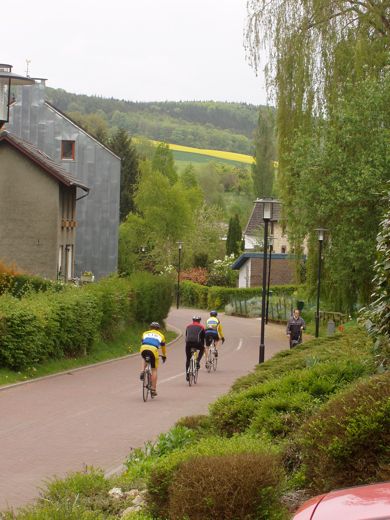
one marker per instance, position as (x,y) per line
(184,158)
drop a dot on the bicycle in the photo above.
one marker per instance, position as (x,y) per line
(147,380)
(192,371)
(212,357)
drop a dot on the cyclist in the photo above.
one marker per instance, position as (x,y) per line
(295,326)
(194,339)
(213,332)
(152,340)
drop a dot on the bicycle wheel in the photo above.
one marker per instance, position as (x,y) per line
(209,361)
(196,371)
(146,385)
(215,360)
(190,372)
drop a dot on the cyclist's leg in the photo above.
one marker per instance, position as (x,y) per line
(154,363)
(200,355)
(188,356)
(154,379)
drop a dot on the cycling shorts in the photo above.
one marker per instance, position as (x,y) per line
(210,335)
(152,352)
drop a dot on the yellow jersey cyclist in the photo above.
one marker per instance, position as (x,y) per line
(213,331)
(152,340)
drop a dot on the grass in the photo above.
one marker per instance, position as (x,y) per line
(124,343)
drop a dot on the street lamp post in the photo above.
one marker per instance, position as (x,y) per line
(8,78)
(321,236)
(267,216)
(180,245)
(271,243)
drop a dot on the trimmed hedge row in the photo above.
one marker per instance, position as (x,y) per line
(203,297)
(19,285)
(54,325)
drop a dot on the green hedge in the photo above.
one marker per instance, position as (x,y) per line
(280,394)
(21,284)
(348,441)
(202,297)
(54,325)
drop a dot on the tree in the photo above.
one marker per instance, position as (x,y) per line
(327,73)
(234,237)
(265,154)
(164,163)
(377,315)
(122,146)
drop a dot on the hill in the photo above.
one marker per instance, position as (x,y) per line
(200,124)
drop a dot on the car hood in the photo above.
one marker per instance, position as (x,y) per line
(371,502)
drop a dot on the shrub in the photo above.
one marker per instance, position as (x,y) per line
(22,334)
(193,295)
(152,296)
(199,423)
(115,297)
(236,486)
(353,344)
(347,442)
(278,405)
(164,471)
(196,274)
(67,323)
(196,295)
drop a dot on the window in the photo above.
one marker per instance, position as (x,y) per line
(60,254)
(68,150)
(284,249)
(68,262)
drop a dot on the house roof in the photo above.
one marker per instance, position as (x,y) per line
(246,256)
(256,221)
(42,160)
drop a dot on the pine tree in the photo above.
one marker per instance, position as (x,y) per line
(122,146)
(234,236)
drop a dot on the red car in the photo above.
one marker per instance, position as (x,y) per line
(370,502)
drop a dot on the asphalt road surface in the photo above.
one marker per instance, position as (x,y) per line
(96,415)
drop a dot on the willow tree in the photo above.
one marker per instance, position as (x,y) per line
(321,55)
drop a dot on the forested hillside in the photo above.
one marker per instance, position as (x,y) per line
(208,124)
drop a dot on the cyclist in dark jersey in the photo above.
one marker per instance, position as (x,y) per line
(194,339)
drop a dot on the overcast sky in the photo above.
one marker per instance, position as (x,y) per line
(139,50)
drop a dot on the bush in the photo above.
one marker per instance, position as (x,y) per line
(67,323)
(21,284)
(196,295)
(152,297)
(287,393)
(237,486)
(115,297)
(347,442)
(351,345)
(160,482)
(193,295)
(22,335)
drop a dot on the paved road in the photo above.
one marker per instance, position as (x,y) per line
(96,415)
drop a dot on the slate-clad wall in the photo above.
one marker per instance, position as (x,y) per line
(97,214)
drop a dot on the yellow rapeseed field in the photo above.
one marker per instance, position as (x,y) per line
(220,154)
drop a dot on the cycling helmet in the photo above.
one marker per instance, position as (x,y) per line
(213,313)
(155,325)
(196,318)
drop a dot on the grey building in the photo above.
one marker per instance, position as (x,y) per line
(37,210)
(35,120)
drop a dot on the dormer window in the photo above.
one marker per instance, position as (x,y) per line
(68,150)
